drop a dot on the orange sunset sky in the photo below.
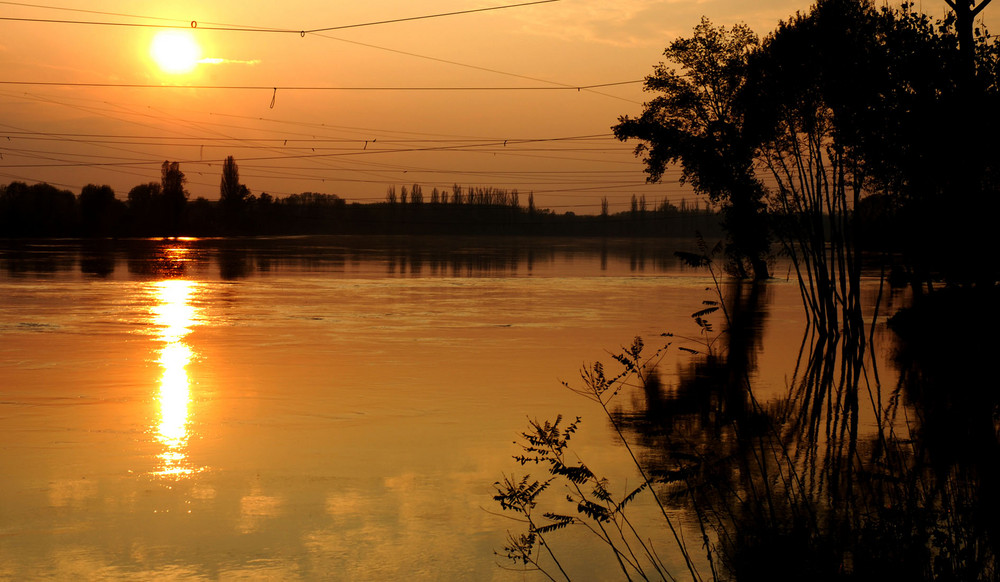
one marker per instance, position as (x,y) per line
(480,98)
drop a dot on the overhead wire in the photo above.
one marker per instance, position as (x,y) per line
(357,43)
(455,142)
(469,144)
(296,153)
(481,144)
(311,137)
(607,187)
(475,67)
(317,87)
(389,172)
(260,143)
(118,163)
(387,167)
(354,152)
(258,29)
(26,134)
(86,11)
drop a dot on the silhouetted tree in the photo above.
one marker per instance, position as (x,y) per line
(883,95)
(232,194)
(201,218)
(36,210)
(965,12)
(100,211)
(174,196)
(143,195)
(229,187)
(975,111)
(145,205)
(695,121)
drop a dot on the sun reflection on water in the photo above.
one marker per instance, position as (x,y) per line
(174,316)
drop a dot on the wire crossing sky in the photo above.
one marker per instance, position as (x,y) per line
(321,88)
(518,96)
(240,28)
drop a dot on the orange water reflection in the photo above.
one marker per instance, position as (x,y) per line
(174,316)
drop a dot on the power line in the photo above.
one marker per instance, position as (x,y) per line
(310,155)
(483,145)
(382,168)
(365,130)
(325,159)
(455,13)
(81,10)
(468,66)
(27,134)
(301,32)
(454,139)
(317,88)
(357,43)
(320,164)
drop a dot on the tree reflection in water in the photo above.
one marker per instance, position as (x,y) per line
(833,480)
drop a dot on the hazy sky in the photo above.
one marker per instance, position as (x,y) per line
(341,122)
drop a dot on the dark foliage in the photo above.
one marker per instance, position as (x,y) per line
(37,210)
(42,210)
(694,121)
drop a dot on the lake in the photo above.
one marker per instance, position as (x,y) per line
(328,408)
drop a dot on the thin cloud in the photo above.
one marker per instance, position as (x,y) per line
(218,61)
(626,23)
(636,23)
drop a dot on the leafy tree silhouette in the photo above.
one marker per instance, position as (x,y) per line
(695,121)
(36,210)
(175,198)
(100,211)
(233,196)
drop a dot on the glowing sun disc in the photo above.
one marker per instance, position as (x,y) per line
(175,51)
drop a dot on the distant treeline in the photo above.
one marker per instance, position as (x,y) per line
(163,209)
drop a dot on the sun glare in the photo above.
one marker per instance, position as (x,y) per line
(175,51)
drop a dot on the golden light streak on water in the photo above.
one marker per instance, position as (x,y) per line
(174,316)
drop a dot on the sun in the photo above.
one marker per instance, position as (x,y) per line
(175,51)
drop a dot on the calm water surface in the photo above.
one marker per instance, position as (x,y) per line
(314,408)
